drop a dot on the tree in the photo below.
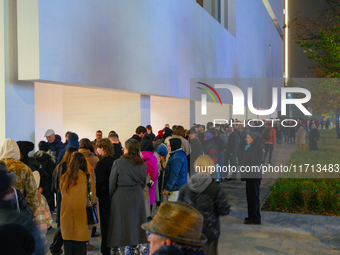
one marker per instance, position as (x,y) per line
(320,37)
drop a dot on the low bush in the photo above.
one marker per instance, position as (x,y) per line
(311,196)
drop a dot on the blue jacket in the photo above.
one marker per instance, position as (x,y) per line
(176,171)
(56,146)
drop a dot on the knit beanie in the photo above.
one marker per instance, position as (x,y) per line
(43,146)
(162,150)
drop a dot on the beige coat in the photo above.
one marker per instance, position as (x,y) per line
(73,217)
(301,136)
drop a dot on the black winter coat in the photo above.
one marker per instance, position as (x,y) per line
(31,162)
(55,186)
(103,171)
(211,203)
(253,157)
(47,163)
(313,139)
(233,143)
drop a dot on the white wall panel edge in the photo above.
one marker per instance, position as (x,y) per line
(28,39)
(2,74)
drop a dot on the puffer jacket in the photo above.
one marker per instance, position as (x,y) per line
(176,171)
(209,199)
(56,146)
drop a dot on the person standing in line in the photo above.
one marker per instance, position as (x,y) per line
(314,136)
(253,157)
(99,135)
(208,198)
(176,169)
(231,150)
(59,171)
(176,233)
(73,141)
(103,172)
(26,147)
(54,142)
(86,148)
(301,138)
(269,138)
(152,169)
(73,216)
(128,213)
(24,181)
(117,146)
(197,149)
(66,138)
(13,240)
(47,162)
(150,133)
(140,132)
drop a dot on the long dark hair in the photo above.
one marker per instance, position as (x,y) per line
(66,159)
(70,178)
(133,155)
(86,144)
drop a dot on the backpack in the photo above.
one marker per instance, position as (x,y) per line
(266,134)
(213,154)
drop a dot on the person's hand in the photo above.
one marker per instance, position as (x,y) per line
(165,192)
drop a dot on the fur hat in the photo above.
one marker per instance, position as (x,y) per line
(25,147)
(183,225)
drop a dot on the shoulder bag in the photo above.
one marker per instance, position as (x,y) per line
(91,210)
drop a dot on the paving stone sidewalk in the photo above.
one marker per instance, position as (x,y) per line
(279,233)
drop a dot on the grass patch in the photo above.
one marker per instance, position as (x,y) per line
(309,196)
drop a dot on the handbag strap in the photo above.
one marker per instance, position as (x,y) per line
(16,198)
(89,193)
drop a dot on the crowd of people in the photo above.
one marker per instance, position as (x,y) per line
(167,171)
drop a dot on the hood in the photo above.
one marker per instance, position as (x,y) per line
(74,144)
(147,155)
(199,182)
(57,139)
(42,156)
(176,151)
(9,149)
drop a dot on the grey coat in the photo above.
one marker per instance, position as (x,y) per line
(127,214)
